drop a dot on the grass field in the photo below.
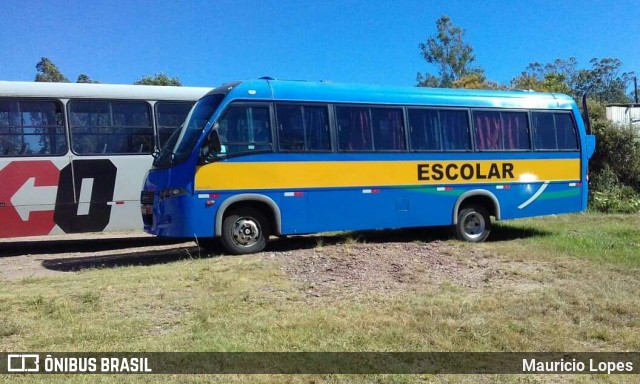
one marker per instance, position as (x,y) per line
(567,283)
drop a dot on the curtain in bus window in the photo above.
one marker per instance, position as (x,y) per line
(388,129)
(544,131)
(565,131)
(31,128)
(488,130)
(354,129)
(455,130)
(425,130)
(317,128)
(516,130)
(501,130)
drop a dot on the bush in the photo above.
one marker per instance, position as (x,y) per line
(614,169)
(619,199)
(617,152)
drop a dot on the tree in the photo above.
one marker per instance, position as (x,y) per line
(476,80)
(48,72)
(603,81)
(82,78)
(558,76)
(158,79)
(449,53)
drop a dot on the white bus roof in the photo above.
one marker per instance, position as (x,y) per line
(99,91)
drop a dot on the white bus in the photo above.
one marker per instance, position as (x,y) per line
(73,156)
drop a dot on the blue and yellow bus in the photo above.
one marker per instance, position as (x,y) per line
(268,157)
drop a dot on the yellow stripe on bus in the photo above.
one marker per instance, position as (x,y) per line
(328,174)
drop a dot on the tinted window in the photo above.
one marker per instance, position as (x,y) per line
(122,127)
(354,129)
(302,127)
(552,131)
(388,129)
(170,115)
(245,129)
(496,131)
(31,128)
(433,129)
(566,132)
(424,125)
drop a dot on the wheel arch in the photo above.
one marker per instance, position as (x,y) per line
(264,203)
(481,197)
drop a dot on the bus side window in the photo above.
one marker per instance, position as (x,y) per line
(169,117)
(316,122)
(290,127)
(455,130)
(553,131)
(388,129)
(109,127)
(566,131)
(354,129)
(245,129)
(31,128)
(497,131)
(303,127)
(424,126)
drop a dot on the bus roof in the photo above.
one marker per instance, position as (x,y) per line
(99,91)
(378,94)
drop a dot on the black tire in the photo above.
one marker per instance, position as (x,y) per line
(244,230)
(474,224)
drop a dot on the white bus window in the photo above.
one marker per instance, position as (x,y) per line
(106,127)
(169,117)
(31,128)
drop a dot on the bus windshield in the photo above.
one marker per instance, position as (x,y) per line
(190,131)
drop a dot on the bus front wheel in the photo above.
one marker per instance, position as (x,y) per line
(474,224)
(244,230)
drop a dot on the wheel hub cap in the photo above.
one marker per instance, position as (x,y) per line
(473,225)
(246,232)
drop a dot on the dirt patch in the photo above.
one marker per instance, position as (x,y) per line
(343,268)
(323,266)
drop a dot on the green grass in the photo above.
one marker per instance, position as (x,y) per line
(570,283)
(611,239)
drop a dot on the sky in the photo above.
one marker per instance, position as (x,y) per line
(210,42)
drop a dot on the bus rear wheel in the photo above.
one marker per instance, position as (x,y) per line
(474,224)
(244,230)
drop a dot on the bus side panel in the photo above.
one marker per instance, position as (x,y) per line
(378,208)
(29,195)
(44,196)
(539,199)
(109,192)
(101,193)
